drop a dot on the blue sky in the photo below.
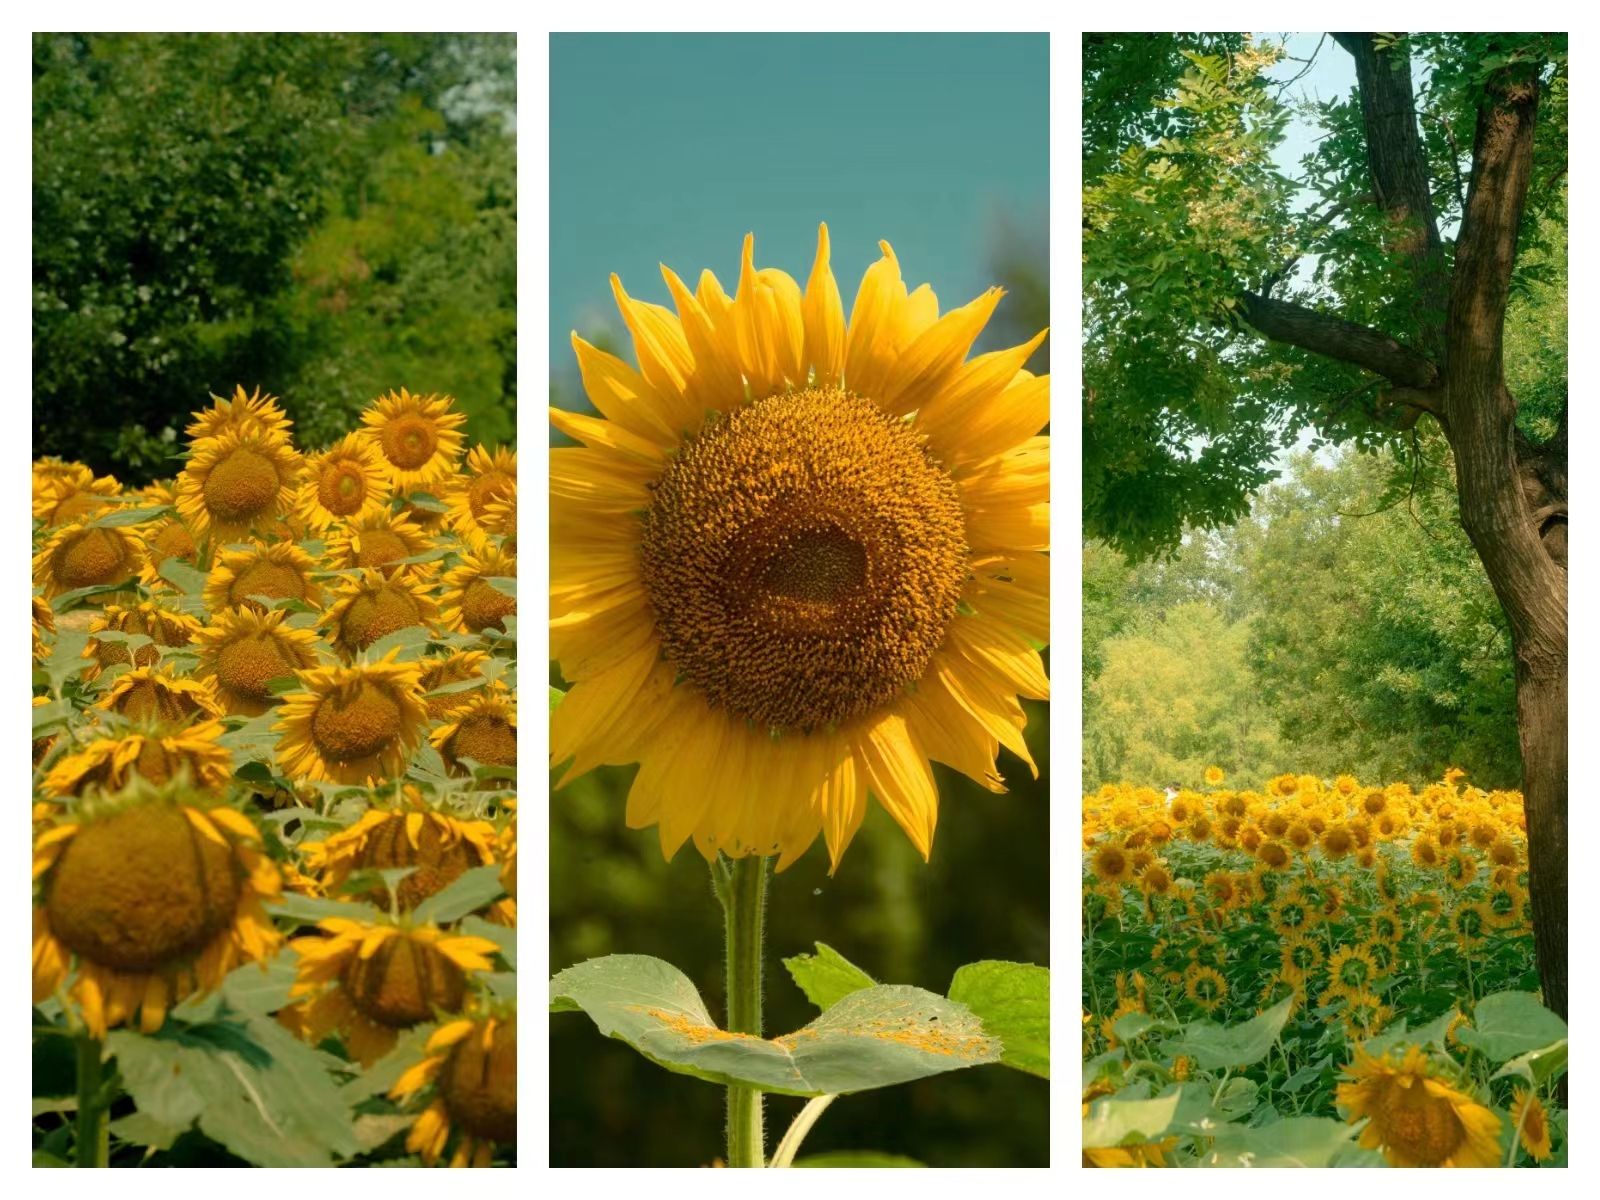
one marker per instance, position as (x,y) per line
(670,147)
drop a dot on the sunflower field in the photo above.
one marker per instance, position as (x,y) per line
(1314,974)
(274,815)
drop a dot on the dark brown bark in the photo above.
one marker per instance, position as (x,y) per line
(1400,177)
(1295,325)
(1508,495)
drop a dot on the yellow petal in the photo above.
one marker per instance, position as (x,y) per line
(823,313)
(899,776)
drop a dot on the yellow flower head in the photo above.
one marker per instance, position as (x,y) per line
(165,627)
(357,724)
(470,1065)
(1214,776)
(798,556)
(1416,1118)
(160,694)
(483,495)
(378,541)
(68,498)
(370,605)
(151,895)
(417,437)
(239,481)
(1533,1126)
(156,754)
(451,671)
(238,414)
(86,555)
(243,651)
(277,571)
(347,482)
(471,602)
(485,730)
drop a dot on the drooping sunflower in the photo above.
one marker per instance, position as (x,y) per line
(242,479)
(161,694)
(471,602)
(43,621)
(1533,1126)
(164,626)
(164,538)
(157,753)
(453,671)
(485,731)
(143,898)
(1415,1117)
(418,438)
(278,571)
(471,1066)
(51,472)
(70,498)
(86,555)
(347,482)
(356,724)
(794,560)
(239,413)
(378,540)
(370,979)
(501,516)
(243,651)
(488,478)
(370,605)
(436,842)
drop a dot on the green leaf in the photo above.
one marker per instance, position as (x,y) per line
(1013,1002)
(826,976)
(312,909)
(141,1129)
(856,1158)
(411,638)
(261,987)
(1215,1047)
(250,1085)
(131,516)
(501,935)
(1538,1066)
(556,697)
(503,583)
(182,576)
(871,1038)
(1291,1142)
(1508,1024)
(1112,1121)
(1136,1024)
(472,890)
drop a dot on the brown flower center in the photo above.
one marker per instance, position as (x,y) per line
(375,547)
(485,739)
(403,982)
(342,489)
(140,889)
(264,577)
(804,557)
(377,613)
(438,863)
(409,441)
(349,729)
(479,1088)
(248,664)
(93,557)
(242,486)
(484,606)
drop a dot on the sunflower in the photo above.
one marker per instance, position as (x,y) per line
(1206,987)
(238,414)
(160,694)
(1460,869)
(84,555)
(72,498)
(243,651)
(356,724)
(1533,1127)
(370,605)
(1111,864)
(1472,923)
(344,483)
(1425,852)
(1299,956)
(279,571)
(165,627)
(370,979)
(417,437)
(471,602)
(1155,879)
(43,621)
(438,844)
(451,671)
(379,540)
(1273,856)
(242,479)
(1504,902)
(1214,776)
(1352,969)
(1292,916)
(838,573)
(471,1066)
(488,478)
(51,473)
(1336,841)
(1416,1118)
(155,895)
(157,754)
(484,731)
(1387,925)
(164,538)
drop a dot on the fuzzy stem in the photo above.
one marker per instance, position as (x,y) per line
(783,1156)
(743,891)
(93,1144)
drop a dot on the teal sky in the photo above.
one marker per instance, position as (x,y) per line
(668,148)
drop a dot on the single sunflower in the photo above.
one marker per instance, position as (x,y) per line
(378,540)
(345,483)
(164,626)
(278,571)
(243,651)
(470,1065)
(153,893)
(417,437)
(1533,1126)
(156,753)
(242,480)
(485,730)
(356,724)
(794,560)
(445,680)
(238,414)
(488,478)
(161,694)
(370,605)
(85,555)
(1415,1117)
(471,601)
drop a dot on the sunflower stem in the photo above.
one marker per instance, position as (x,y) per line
(742,888)
(93,1144)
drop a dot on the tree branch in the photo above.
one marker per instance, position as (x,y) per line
(1282,321)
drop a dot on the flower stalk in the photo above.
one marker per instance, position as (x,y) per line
(741,885)
(93,1144)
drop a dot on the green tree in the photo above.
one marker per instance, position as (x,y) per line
(1205,352)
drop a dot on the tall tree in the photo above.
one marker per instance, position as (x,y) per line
(1222,319)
